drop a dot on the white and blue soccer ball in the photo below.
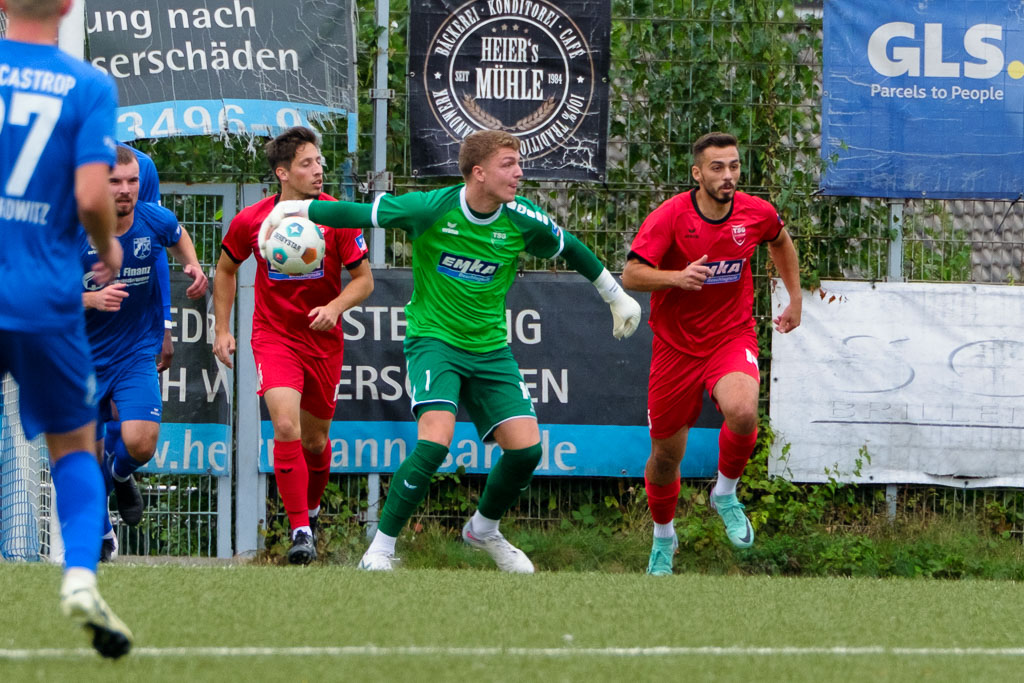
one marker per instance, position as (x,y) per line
(296,246)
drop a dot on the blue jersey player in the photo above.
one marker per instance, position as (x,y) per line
(56,150)
(124,321)
(149,191)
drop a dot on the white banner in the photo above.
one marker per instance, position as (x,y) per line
(927,378)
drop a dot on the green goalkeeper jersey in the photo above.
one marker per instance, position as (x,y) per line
(463,264)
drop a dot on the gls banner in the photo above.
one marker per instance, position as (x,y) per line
(534,68)
(196,67)
(923,99)
(589,390)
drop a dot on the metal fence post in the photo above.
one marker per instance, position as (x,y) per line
(251,493)
(895,274)
(380,131)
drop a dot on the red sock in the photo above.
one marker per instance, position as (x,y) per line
(734,451)
(662,500)
(319,466)
(292,480)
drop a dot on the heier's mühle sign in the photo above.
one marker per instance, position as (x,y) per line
(529,67)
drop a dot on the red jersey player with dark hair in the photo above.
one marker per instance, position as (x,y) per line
(693,252)
(297,340)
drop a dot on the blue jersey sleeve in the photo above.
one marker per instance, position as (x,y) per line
(95,139)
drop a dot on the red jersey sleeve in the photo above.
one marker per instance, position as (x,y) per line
(238,242)
(655,236)
(772,222)
(353,246)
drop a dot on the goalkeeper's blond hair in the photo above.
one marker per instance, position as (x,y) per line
(482,144)
(35,9)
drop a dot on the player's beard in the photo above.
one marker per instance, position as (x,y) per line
(720,195)
(123,207)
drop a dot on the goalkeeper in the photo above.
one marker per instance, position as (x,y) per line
(466,243)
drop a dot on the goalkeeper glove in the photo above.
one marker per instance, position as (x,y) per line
(284,209)
(625,309)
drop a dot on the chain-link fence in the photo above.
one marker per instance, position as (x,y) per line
(678,68)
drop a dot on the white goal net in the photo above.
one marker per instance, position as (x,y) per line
(26,496)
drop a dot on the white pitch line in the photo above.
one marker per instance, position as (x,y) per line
(430,651)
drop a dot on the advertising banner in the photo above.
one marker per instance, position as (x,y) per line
(589,389)
(923,99)
(534,68)
(196,67)
(195,436)
(924,379)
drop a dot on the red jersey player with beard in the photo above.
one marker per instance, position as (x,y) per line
(693,252)
(297,339)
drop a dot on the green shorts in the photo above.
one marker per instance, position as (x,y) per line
(489,384)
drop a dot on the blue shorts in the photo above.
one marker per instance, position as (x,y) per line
(133,384)
(57,387)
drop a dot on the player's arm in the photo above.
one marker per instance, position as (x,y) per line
(353,294)
(162,273)
(625,309)
(184,251)
(338,214)
(107,299)
(225,283)
(96,214)
(641,276)
(783,254)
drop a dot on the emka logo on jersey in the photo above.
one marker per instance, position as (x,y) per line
(142,247)
(724,271)
(466,268)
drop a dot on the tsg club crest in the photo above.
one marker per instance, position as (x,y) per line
(142,247)
(512,65)
(739,234)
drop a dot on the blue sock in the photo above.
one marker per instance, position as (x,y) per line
(124,464)
(76,477)
(111,437)
(107,526)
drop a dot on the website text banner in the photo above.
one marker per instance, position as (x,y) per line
(924,378)
(537,69)
(923,99)
(589,390)
(195,437)
(196,67)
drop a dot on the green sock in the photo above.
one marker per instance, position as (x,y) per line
(409,485)
(508,478)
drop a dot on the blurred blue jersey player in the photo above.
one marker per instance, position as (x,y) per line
(56,150)
(124,321)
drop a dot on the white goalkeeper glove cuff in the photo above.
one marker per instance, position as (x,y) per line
(625,309)
(284,209)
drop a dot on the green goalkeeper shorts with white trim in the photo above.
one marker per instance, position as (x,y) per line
(489,384)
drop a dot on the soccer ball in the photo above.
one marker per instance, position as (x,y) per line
(296,246)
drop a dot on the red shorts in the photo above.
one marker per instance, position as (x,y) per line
(677,381)
(279,365)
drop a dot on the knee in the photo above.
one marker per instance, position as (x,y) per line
(742,420)
(142,447)
(523,461)
(314,443)
(286,429)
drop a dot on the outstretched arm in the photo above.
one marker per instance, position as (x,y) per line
(625,309)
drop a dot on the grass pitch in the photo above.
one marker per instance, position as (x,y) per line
(327,623)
